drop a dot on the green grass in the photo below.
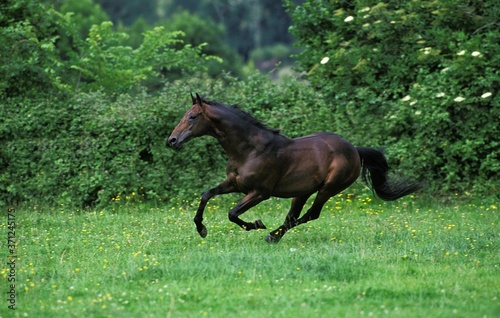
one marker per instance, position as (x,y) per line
(362,258)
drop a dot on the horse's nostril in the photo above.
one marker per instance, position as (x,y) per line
(172,141)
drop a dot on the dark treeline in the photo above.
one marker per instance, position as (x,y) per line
(250,24)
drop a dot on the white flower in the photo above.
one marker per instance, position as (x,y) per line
(486,95)
(476,53)
(459,99)
(418,112)
(440,95)
(325,60)
(413,103)
(461,52)
(365,9)
(349,18)
(406,98)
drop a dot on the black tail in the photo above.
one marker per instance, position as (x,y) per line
(375,165)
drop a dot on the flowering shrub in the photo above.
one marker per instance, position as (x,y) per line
(419,78)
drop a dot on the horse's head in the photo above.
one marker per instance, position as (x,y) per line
(193,124)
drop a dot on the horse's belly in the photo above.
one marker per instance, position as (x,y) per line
(300,182)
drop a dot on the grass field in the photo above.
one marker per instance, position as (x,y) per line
(362,258)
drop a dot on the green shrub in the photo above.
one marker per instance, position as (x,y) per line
(96,147)
(419,78)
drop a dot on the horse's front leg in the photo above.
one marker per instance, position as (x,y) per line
(225,187)
(249,201)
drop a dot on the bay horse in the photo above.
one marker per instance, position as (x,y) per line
(263,163)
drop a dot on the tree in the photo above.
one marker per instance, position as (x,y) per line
(43,50)
(127,12)
(30,58)
(106,63)
(200,30)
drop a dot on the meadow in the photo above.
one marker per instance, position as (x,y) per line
(362,258)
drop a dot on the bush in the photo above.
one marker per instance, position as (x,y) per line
(96,147)
(418,78)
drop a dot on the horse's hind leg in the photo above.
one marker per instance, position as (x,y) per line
(291,219)
(315,210)
(250,200)
(323,195)
(311,214)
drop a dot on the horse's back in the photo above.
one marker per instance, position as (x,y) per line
(328,143)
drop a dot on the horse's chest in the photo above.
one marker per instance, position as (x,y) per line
(252,176)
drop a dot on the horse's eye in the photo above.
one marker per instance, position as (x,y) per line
(193,116)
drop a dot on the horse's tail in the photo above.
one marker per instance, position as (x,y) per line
(375,166)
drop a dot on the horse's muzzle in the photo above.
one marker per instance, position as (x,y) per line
(173,142)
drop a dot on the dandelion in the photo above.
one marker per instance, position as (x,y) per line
(476,53)
(486,95)
(349,18)
(325,60)
(459,99)
(69,298)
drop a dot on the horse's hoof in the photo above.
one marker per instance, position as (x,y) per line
(259,225)
(272,239)
(202,230)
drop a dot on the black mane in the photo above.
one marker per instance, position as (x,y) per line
(234,109)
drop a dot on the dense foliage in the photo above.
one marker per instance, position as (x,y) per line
(417,77)
(85,108)
(95,147)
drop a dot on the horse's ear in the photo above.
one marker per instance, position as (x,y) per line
(199,100)
(193,99)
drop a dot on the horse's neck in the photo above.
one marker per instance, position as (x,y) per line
(239,140)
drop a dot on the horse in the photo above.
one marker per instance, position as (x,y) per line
(262,162)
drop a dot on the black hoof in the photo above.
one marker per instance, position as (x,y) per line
(202,230)
(272,239)
(259,224)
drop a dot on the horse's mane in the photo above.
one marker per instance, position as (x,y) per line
(234,109)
